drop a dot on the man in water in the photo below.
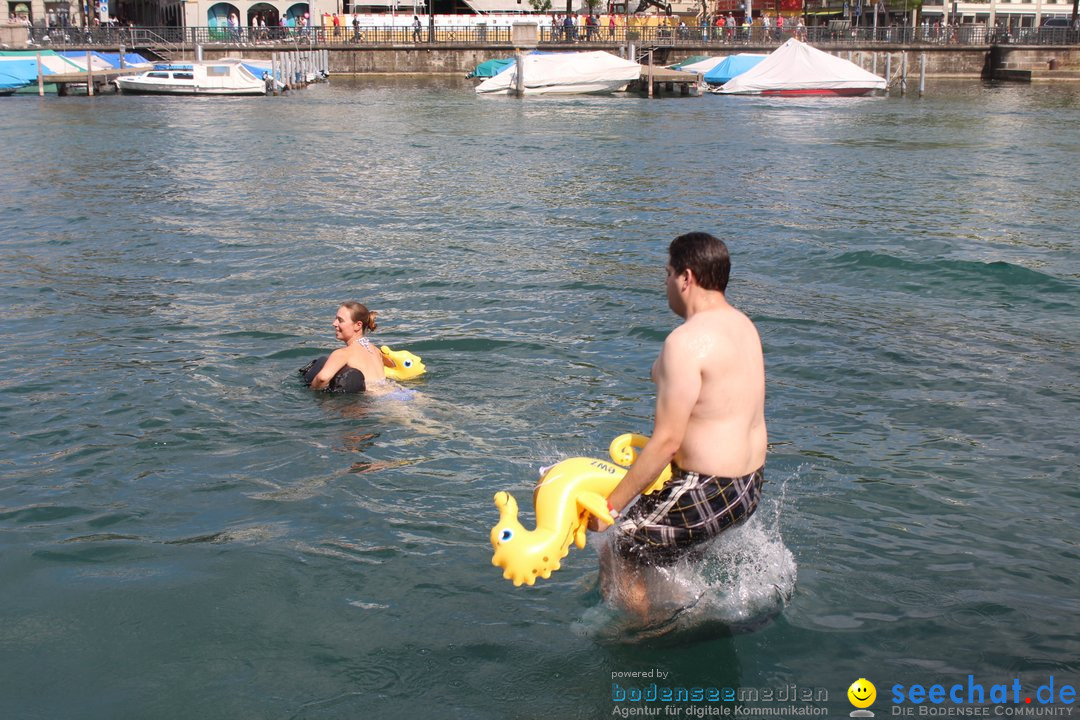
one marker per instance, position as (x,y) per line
(709,425)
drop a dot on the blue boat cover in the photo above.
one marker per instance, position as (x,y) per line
(18,73)
(491,68)
(112,58)
(10,82)
(130,58)
(732,66)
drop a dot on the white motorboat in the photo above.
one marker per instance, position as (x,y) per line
(564,74)
(222,77)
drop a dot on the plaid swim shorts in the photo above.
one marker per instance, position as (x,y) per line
(691,508)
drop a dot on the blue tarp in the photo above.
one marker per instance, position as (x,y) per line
(19,72)
(110,57)
(10,82)
(491,68)
(732,66)
(130,58)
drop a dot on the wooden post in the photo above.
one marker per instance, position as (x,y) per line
(122,63)
(89,75)
(273,72)
(922,74)
(40,76)
(519,80)
(903,73)
(888,71)
(649,75)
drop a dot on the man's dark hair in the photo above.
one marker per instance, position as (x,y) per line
(705,255)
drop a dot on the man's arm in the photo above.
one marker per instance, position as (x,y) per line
(678,385)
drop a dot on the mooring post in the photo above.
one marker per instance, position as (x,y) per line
(888,71)
(922,74)
(40,76)
(649,74)
(519,79)
(89,75)
(903,74)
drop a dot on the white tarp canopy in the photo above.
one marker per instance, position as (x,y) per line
(703,66)
(549,73)
(796,68)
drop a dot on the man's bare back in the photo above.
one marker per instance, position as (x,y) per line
(725,432)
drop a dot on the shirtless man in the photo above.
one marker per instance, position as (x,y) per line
(709,425)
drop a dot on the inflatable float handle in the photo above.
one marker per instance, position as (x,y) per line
(625,448)
(624,451)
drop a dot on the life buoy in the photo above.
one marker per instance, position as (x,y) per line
(347,379)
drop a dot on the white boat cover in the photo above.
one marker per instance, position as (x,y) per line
(703,66)
(585,72)
(797,67)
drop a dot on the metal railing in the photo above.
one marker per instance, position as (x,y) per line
(760,37)
(835,33)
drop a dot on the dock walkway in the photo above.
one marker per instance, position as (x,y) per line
(98,80)
(654,80)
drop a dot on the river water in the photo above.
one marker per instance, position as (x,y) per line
(186,531)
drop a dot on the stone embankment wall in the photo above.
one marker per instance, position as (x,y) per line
(941,61)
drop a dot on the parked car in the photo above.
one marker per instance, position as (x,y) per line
(1057,30)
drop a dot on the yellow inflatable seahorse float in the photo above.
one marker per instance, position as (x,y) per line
(405,365)
(567,494)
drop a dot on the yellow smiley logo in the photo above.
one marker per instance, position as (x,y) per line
(862,693)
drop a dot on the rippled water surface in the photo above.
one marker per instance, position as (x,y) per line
(185,531)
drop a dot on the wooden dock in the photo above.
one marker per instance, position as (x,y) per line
(95,81)
(655,81)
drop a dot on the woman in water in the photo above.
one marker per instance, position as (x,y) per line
(359,353)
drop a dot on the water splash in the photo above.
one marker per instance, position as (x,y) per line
(743,579)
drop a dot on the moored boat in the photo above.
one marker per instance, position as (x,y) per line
(797,69)
(565,74)
(222,77)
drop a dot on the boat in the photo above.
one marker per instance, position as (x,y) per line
(731,67)
(221,77)
(565,74)
(490,68)
(795,68)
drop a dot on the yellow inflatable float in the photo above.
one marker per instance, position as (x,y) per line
(567,494)
(405,365)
